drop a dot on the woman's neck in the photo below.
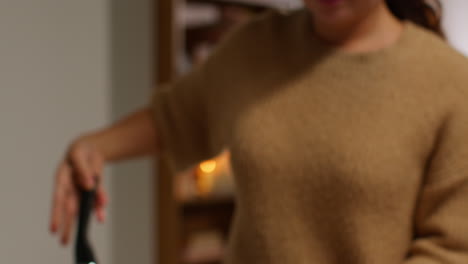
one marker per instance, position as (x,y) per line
(376,31)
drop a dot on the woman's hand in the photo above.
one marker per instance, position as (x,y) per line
(83,164)
(81,168)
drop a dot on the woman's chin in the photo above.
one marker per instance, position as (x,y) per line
(336,19)
(330,3)
(330,11)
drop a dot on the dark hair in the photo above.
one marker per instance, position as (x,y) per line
(422,12)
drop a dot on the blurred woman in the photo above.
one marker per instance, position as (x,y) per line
(347,124)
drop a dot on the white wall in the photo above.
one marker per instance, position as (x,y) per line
(69,66)
(131,68)
(455,23)
(54,83)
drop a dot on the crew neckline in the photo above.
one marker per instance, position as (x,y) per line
(361,55)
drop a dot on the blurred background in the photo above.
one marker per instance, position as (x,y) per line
(71,66)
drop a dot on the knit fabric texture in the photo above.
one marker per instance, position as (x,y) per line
(338,157)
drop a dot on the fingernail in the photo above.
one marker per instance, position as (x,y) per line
(52,228)
(101,216)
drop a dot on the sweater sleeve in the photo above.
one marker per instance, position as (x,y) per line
(185,111)
(182,122)
(441,217)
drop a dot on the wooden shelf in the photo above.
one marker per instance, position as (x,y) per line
(199,14)
(207,202)
(190,231)
(208,261)
(207,214)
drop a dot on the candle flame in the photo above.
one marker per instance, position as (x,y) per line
(208,166)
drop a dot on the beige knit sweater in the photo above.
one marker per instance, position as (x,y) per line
(338,158)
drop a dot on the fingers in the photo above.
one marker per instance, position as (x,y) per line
(100,204)
(81,169)
(70,213)
(97,164)
(64,208)
(62,174)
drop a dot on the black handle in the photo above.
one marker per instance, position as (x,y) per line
(83,251)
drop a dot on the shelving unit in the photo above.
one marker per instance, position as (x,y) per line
(195,207)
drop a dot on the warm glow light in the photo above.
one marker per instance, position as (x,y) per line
(208,166)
